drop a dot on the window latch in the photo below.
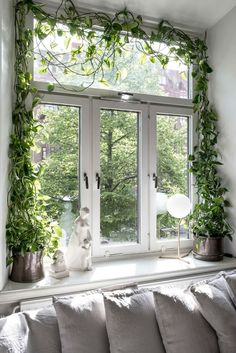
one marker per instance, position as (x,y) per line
(155,179)
(98,180)
(86,180)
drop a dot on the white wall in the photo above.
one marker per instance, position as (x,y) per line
(6,73)
(222,54)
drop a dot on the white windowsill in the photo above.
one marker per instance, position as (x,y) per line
(108,273)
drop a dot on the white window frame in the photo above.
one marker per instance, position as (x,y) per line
(121,248)
(84,131)
(166,244)
(89,161)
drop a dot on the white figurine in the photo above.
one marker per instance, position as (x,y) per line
(78,256)
(58,267)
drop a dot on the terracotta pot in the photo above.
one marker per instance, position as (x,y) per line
(28,267)
(208,249)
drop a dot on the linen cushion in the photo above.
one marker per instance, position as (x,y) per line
(43,330)
(182,327)
(82,323)
(13,334)
(131,322)
(231,281)
(217,308)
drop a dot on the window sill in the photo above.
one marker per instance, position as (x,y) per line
(149,269)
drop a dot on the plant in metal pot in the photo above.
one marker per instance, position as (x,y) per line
(30,233)
(209,218)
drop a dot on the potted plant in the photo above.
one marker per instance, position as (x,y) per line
(30,236)
(209,218)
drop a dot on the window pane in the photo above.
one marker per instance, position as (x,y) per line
(57,151)
(172,169)
(130,67)
(119,176)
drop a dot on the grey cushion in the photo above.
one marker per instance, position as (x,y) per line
(13,334)
(217,308)
(43,331)
(183,328)
(131,322)
(231,281)
(82,323)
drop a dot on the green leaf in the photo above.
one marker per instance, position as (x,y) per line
(191,157)
(152,59)
(197,99)
(50,87)
(67,42)
(117,26)
(139,18)
(60,32)
(36,101)
(117,75)
(88,21)
(103,81)
(227,203)
(142,58)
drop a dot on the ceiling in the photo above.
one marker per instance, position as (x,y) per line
(197,15)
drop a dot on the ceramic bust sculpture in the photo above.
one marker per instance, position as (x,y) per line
(78,256)
(58,268)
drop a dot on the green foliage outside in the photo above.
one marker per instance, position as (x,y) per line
(172,167)
(119,175)
(60,135)
(119,141)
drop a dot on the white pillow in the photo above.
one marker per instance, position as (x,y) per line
(82,323)
(131,322)
(43,330)
(182,326)
(13,334)
(218,309)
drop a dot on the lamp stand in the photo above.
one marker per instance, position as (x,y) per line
(179,256)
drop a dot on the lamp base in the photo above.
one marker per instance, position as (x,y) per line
(176,257)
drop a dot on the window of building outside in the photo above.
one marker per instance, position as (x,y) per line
(119,147)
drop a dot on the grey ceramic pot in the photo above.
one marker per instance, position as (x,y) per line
(208,249)
(28,267)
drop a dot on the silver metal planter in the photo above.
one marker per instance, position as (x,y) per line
(208,249)
(28,267)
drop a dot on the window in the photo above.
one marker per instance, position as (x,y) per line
(61,123)
(60,181)
(131,68)
(171,133)
(119,159)
(112,155)
(172,145)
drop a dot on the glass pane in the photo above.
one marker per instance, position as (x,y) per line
(127,75)
(172,169)
(119,176)
(57,150)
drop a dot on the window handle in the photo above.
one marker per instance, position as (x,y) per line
(98,180)
(155,179)
(86,180)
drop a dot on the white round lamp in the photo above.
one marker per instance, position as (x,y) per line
(178,205)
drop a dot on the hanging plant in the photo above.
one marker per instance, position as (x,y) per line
(101,40)
(28,227)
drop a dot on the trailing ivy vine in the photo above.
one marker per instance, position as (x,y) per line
(102,39)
